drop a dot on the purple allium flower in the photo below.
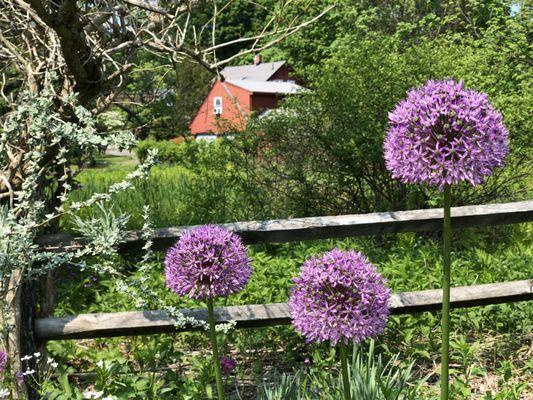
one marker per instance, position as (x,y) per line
(3,361)
(444,134)
(206,262)
(339,296)
(227,364)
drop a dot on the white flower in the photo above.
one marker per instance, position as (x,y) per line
(112,397)
(28,372)
(26,358)
(54,365)
(92,395)
(100,364)
(50,360)
(37,355)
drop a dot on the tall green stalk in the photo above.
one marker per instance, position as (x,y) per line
(447,231)
(344,370)
(214,345)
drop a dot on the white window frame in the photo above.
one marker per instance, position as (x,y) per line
(217,105)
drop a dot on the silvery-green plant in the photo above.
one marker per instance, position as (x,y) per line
(38,147)
(105,229)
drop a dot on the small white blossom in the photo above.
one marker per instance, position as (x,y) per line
(100,364)
(37,355)
(226,327)
(26,358)
(92,395)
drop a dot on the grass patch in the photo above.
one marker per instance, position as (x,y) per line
(176,195)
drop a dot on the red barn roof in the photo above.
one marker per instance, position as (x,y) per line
(254,72)
(279,87)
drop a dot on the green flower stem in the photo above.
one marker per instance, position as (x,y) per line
(444,376)
(214,345)
(344,369)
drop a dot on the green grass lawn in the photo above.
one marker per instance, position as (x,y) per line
(176,196)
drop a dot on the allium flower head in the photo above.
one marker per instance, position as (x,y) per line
(206,262)
(227,364)
(339,296)
(444,134)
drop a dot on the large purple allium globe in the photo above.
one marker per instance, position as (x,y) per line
(207,262)
(339,297)
(444,134)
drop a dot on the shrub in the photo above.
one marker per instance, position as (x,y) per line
(168,151)
(192,154)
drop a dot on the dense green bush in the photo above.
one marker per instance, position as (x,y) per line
(167,150)
(192,154)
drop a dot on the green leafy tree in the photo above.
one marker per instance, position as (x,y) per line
(322,151)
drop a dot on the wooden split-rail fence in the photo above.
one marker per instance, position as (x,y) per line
(297,229)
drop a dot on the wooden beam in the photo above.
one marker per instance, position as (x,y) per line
(296,229)
(258,315)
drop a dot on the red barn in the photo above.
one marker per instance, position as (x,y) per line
(241,90)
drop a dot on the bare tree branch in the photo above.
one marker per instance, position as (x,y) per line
(149,7)
(92,48)
(284,34)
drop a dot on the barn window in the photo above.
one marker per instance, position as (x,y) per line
(217,105)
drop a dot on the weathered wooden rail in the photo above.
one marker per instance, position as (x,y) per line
(312,228)
(249,316)
(86,326)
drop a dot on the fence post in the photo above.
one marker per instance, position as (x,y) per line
(18,320)
(29,344)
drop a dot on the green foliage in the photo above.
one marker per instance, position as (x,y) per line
(203,186)
(195,155)
(491,336)
(404,20)
(371,378)
(188,154)
(236,19)
(167,151)
(322,152)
